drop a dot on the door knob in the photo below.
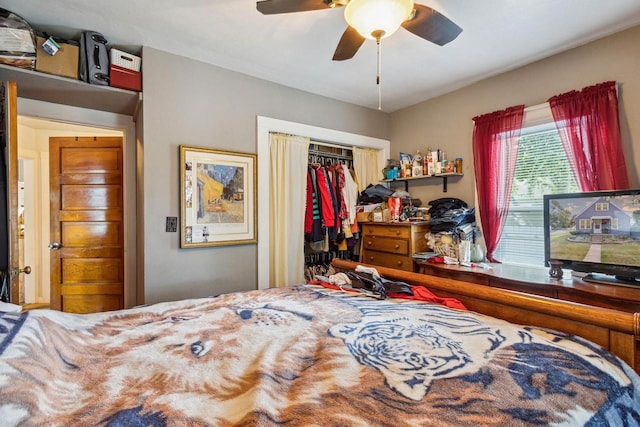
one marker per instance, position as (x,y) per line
(16,271)
(55,246)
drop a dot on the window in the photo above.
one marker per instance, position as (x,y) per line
(542,168)
(585,224)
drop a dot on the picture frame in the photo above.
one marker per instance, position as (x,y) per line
(218,203)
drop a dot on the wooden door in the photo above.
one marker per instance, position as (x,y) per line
(10,135)
(87,249)
(9,205)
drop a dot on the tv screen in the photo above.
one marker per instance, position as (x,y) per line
(595,232)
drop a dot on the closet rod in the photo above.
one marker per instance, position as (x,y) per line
(323,154)
(328,144)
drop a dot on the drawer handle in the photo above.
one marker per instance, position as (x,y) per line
(369,243)
(370,258)
(397,232)
(399,263)
(397,246)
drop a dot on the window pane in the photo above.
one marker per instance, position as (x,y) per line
(542,168)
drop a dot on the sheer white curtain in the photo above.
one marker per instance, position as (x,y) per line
(366,163)
(287,183)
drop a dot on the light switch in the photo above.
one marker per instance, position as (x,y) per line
(172,224)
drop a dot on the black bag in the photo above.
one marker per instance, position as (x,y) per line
(94,58)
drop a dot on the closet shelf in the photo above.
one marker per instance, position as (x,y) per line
(443,176)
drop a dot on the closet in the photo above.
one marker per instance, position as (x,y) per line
(281,259)
(329,233)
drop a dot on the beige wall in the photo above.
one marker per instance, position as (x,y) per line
(192,103)
(446,122)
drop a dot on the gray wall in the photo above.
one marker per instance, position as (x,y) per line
(446,122)
(188,102)
(192,103)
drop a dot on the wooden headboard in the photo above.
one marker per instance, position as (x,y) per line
(615,330)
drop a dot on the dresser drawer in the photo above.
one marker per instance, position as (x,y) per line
(384,259)
(387,244)
(386,231)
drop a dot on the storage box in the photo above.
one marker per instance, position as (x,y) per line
(63,63)
(124,59)
(125,78)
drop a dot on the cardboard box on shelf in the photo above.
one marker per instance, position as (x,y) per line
(63,63)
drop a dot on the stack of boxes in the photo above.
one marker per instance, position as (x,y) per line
(124,70)
(22,46)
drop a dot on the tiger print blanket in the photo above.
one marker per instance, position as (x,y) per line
(303,356)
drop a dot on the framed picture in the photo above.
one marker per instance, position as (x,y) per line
(217,197)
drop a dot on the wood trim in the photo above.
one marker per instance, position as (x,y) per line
(615,330)
(11,96)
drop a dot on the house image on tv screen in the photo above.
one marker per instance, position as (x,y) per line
(603,217)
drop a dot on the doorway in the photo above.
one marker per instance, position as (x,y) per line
(33,172)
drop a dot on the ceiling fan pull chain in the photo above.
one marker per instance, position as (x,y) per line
(378,82)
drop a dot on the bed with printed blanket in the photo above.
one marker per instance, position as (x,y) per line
(304,355)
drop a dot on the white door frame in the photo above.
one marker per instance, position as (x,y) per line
(36,283)
(266,125)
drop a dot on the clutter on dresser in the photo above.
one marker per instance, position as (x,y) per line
(453,230)
(17,41)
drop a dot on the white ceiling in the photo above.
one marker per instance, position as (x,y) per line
(296,49)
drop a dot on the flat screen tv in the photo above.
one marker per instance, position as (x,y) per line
(597,233)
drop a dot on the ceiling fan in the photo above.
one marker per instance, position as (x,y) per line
(373,19)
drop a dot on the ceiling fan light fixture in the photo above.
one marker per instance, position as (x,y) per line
(373,18)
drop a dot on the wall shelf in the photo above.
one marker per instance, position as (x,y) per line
(443,176)
(66,91)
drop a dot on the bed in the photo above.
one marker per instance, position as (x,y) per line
(309,355)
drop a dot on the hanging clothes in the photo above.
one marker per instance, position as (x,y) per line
(328,201)
(349,194)
(314,227)
(330,211)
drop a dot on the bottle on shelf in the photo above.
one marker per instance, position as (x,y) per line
(458,164)
(431,168)
(417,164)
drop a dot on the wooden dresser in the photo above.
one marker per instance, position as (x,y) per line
(392,244)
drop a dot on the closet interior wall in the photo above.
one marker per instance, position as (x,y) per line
(318,255)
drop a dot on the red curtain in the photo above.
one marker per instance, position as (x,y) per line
(496,137)
(587,121)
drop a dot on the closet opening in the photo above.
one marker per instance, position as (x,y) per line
(271,238)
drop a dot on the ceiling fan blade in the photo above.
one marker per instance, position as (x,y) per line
(348,45)
(271,7)
(432,25)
